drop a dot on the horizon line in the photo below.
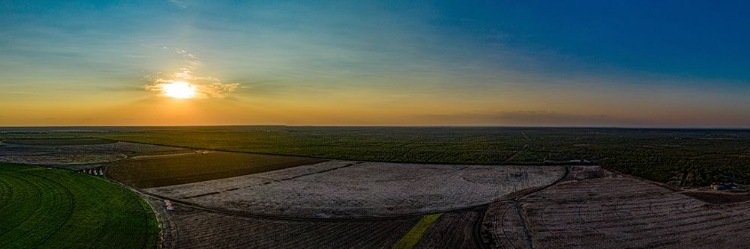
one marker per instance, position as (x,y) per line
(384,126)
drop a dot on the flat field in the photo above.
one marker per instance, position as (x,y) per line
(197,228)
(682,156)
(45,208)
(241,200)
(75,153)
(612,212)
(58,142)
(348,189)
(160,170)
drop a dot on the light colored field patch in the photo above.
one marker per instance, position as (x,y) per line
(62,159)
(59,153)
(612,211)
(346,189)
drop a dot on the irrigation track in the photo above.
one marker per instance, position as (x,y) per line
(515,154)
(477,233)
(522,215)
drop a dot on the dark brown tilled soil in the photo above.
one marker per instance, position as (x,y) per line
(719,198)
(625,212)
(195,228)
(452,230)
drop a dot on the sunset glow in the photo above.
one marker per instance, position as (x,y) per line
(434,63)
(179,90)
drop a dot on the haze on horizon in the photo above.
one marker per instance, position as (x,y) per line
(506,63)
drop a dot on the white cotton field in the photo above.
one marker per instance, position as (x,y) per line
(346,189)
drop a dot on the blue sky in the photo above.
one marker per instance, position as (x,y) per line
(541,63)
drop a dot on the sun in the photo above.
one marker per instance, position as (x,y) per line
(178,90)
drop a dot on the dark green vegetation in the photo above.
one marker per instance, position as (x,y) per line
(685,157)
(45,208)
(157,171)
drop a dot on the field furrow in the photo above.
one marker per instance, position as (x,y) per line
(57,208)
(613,211)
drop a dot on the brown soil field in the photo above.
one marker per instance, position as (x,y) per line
(453,230)
(188,227)
(615,212)
(346,189)
(157,171)
(503,226)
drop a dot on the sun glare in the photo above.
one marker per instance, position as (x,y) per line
(179,90)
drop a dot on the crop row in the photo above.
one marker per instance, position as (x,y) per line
(614,212)
(44,207)
(206,229)
(452,230)
(151,172)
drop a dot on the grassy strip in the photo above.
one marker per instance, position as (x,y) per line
(415,234)
(56,208)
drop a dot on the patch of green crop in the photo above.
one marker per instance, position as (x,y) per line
(50,208)
(415,234)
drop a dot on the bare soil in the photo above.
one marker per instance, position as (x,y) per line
(346,189)
(197,228)
(616,211)
(452,230)
(74,152)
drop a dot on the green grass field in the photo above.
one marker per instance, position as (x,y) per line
(50,208)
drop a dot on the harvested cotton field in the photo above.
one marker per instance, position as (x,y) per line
(612,211)
(347,189)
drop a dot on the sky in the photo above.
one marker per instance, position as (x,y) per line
(424,63)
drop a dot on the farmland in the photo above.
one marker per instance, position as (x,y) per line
(163,170)
(423,187)
(681,156)
(612,211)
(43,207)
(199,228)
(75,153)
(343,189)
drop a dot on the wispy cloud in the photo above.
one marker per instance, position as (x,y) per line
(205,86)
(178,3)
